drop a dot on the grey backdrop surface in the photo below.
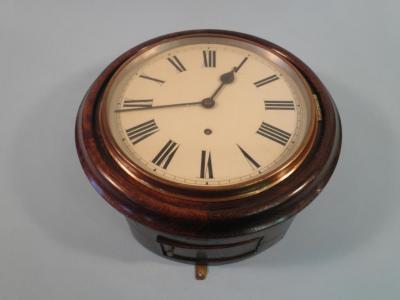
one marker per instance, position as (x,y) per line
(60,240)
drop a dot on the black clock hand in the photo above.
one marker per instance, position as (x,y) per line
(228,77)
(225,78)
(207,103)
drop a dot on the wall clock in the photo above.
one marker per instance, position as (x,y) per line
(209,142)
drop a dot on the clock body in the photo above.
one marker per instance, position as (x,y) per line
(209,142)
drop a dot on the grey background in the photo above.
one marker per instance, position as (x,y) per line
(60,240)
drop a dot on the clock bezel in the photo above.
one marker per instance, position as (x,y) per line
(233,191)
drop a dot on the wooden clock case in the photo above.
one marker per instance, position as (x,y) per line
(207,227)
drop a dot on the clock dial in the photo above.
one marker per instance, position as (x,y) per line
(209,112)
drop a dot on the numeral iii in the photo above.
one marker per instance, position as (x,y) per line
(278,105)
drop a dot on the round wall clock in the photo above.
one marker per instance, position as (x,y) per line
(209,142)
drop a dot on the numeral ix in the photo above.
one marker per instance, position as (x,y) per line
(137,104)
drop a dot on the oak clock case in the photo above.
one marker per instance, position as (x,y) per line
(209,142)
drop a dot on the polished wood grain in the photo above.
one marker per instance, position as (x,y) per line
(163,216)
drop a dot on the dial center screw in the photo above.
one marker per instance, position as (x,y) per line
(207,131)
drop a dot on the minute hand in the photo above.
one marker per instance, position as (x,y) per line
(160,106)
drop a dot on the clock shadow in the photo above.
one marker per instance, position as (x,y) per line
(358,202)
(49,182)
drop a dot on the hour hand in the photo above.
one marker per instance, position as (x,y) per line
(229,77)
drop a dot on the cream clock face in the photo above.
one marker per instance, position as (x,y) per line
(209,112)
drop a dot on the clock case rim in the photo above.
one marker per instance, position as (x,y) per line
(173,213)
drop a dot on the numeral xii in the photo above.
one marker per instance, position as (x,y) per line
(210,58)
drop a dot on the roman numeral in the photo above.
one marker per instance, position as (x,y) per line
(278,105)
(210,58)
(176,63)
(206,170)
(152,79)
(266,80)
(252,162)
(138,103)
(142,131)
(164,157)
(273,133)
